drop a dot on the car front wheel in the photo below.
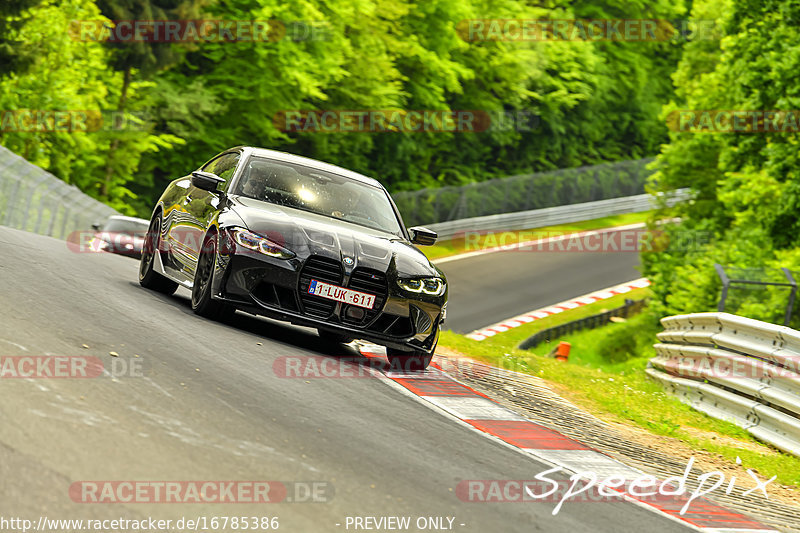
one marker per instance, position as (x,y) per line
(202,302)
(333,338)
(410,361)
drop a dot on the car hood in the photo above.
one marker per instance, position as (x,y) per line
(306,234)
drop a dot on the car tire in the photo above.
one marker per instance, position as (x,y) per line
(202,302)
(148,277)
(415,361)
(333,338)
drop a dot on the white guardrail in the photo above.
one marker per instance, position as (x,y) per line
(550,216)
(734,368)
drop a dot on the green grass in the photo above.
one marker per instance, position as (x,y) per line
(456,246)
(619,390)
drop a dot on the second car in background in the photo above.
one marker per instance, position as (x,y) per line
(120,235)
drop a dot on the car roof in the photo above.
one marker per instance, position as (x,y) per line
(306,162)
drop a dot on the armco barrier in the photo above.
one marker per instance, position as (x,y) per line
(734,368)
(550,216)
(34,200)
(565,186)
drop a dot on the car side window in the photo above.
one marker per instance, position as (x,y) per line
(223,166)
(209,167)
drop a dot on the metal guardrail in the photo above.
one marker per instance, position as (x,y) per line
(524,193)
(630,308)
(734,368)
(550,216)
(32,199)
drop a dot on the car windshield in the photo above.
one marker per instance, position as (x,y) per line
(320,192)
(130,227)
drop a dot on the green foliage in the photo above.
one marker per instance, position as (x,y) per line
(596,101)
(747,185)
(13,57)
(627,340)
(71,75)
(146,57)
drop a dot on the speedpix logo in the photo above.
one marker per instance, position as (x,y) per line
(588,486)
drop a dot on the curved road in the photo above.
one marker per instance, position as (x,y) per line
(489,288)
(210,407)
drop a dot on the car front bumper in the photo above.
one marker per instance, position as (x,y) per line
(277,288)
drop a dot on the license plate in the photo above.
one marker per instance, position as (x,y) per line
(340,294)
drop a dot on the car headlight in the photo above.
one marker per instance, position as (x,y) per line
(433,286)
(253,241)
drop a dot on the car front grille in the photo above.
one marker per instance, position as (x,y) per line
(363,280)
(320,269)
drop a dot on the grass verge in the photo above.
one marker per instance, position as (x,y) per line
(457,245)
(605,376)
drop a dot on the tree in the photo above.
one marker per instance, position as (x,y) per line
(746,184)
(72,77)
(139,56)
(386,55)
(12,16)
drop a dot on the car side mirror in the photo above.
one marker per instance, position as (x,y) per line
(206,181)
(423,236)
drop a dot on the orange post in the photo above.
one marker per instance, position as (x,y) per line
(562,352)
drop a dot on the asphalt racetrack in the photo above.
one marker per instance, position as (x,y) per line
(489,288)
(208,405)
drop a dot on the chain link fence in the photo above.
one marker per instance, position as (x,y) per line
(32,199)
(524,193)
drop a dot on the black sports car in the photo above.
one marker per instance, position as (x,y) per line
(296,239)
